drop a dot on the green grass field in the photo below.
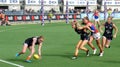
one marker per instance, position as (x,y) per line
(58,47)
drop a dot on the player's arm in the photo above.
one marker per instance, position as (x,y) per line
(100,28)
(39,49)
(33,45)
(79,27)
(116,30)
(89,29)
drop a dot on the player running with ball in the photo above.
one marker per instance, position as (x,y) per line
(30,44)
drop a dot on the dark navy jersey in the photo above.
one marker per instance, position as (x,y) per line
(83,34)
(77,31)
(108,28)
(108,33)
(30,40)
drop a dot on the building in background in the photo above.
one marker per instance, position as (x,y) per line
(10,4)
(80,5)
(36,5)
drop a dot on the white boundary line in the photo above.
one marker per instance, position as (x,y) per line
(12,29)
(10,63)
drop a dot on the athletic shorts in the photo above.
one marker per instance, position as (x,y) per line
(84,37)
(27,43)
(109,37)
(96,36)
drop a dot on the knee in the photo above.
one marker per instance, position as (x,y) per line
(81,47)
(77,47)
(89,42)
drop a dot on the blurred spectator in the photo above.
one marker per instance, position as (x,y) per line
(109,12)
(3,20)
(52,10)
(71,10)
(50,15)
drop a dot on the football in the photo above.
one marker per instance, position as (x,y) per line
(36,56)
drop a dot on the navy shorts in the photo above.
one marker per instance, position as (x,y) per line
(109,37)
(84,37)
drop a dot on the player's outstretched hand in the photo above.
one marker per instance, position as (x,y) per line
(114,36)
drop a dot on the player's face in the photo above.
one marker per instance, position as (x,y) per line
(85,21)
(41,40)
(109,20)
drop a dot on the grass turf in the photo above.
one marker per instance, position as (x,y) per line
(58,47)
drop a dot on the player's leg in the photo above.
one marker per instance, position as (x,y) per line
(98,22)
(91,45)
(100,47)
(107,45)
(77,50)
(7,23)
(25,46)
(84,42)
(2,22)
(95,22)
(32,50)
(103,41)
(97,38)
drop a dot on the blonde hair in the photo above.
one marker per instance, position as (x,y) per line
(76,24)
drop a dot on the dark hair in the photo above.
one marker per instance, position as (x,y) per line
(110,17)
(83,22)
(86,18)
(40,37)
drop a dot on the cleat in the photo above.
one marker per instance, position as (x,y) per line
(17,55)
(28,61)
(101,54)
(87,53)
(73,58)
(94,51)
(109,46)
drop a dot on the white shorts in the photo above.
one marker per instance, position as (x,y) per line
(97,20)
(96,36)
(25,44)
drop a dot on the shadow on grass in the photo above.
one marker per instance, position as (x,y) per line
(16,60)
(110,61)
(66,55)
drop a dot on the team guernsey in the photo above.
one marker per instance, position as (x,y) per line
(29,41)
(92,27)
(96,15)
(83,34)
(95,32)
(108,30)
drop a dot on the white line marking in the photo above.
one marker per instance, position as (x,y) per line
(12,29)
(11,63)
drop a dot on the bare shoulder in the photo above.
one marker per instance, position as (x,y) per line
(34,39)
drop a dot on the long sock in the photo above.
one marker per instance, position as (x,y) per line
(28,58)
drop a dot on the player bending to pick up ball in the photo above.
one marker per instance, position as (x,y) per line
(30,44)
